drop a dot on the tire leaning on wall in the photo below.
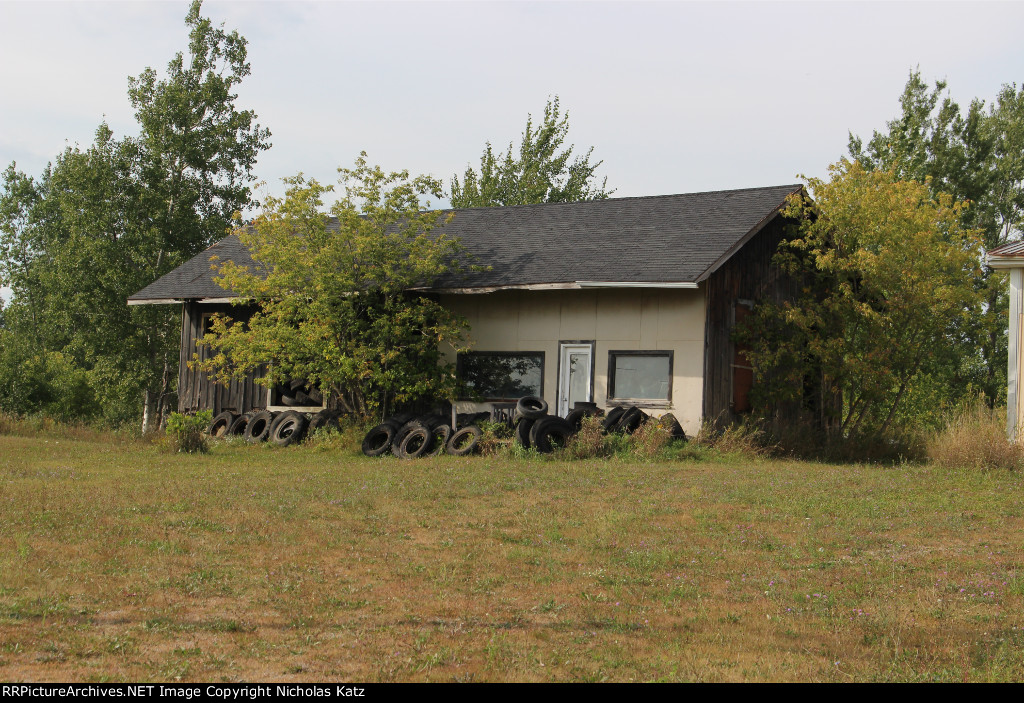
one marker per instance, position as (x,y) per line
(522,430)
(417,442)
(551,433)
(237,428)
(288,428)
(442,433)
(379,439)
(400,433)
(575,418)
(630,420)
(221,425)
(464,441)
(258,428)
(612,419)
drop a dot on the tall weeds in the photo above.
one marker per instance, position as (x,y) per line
(975,438)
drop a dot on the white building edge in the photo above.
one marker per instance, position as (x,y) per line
(1010,257)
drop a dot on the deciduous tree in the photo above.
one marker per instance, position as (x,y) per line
(541,173)
(338,301)
(977,156)
(887,280)
(105,221)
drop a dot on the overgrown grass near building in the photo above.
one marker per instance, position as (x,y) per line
(975,438)
(119,561)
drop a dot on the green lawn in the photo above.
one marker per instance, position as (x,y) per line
(119,562)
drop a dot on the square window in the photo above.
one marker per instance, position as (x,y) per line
(502,375)
(640,375)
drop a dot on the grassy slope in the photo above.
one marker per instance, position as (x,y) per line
(119,562)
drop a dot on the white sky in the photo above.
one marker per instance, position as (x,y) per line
(674,96)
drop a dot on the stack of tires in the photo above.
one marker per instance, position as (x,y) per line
(280,428)
(536,429)
(410,437)
(297,393)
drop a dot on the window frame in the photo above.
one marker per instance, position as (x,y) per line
(640,402)
(460,359)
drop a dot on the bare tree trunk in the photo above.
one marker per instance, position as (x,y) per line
(147,411)
(163,409)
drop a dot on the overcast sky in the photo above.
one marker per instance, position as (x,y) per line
(674,96)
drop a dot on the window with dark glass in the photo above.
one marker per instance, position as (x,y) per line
(502,375)
(640,375)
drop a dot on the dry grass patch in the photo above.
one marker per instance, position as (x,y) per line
(976,438)
(316,564)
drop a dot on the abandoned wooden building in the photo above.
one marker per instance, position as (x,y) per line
(618,301)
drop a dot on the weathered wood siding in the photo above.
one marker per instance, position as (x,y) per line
(195,389)
(749,275)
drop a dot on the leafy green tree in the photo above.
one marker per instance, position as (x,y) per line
(87,269)
(542,172)
(977,156)
(339,307)
(105,221)
(886,274)
(196,155)
(19,243)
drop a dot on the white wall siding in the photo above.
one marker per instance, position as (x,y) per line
(615,319)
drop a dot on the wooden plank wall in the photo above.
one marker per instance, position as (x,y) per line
(748,275)
(195,389)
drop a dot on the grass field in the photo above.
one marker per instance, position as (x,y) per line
(119,562)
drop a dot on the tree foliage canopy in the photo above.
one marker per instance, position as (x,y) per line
(542,172)
(104,221)
(338,306)
(977,156)
(886,283)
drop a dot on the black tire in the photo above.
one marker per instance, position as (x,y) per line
(630,420)
(258,428)
(551,433)
(532,407)
(400,433)
(464,441)
(322,419)
(296,384)
(220,425)
(417,442)
(288,428)
(670,422)
(575,418)
(523,432)
(287,400)
(535,427)
(612,419)
(585,405)
(378,440)
(237,428)
(442,433)
(316,397)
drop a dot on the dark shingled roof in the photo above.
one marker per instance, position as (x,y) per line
(657,239)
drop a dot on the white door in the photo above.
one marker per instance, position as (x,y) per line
(575,371)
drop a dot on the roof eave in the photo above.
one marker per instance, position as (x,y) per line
(177,301)
(745,238)
(1004,262)
(571,285)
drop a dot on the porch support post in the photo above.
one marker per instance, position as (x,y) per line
(1014,395)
